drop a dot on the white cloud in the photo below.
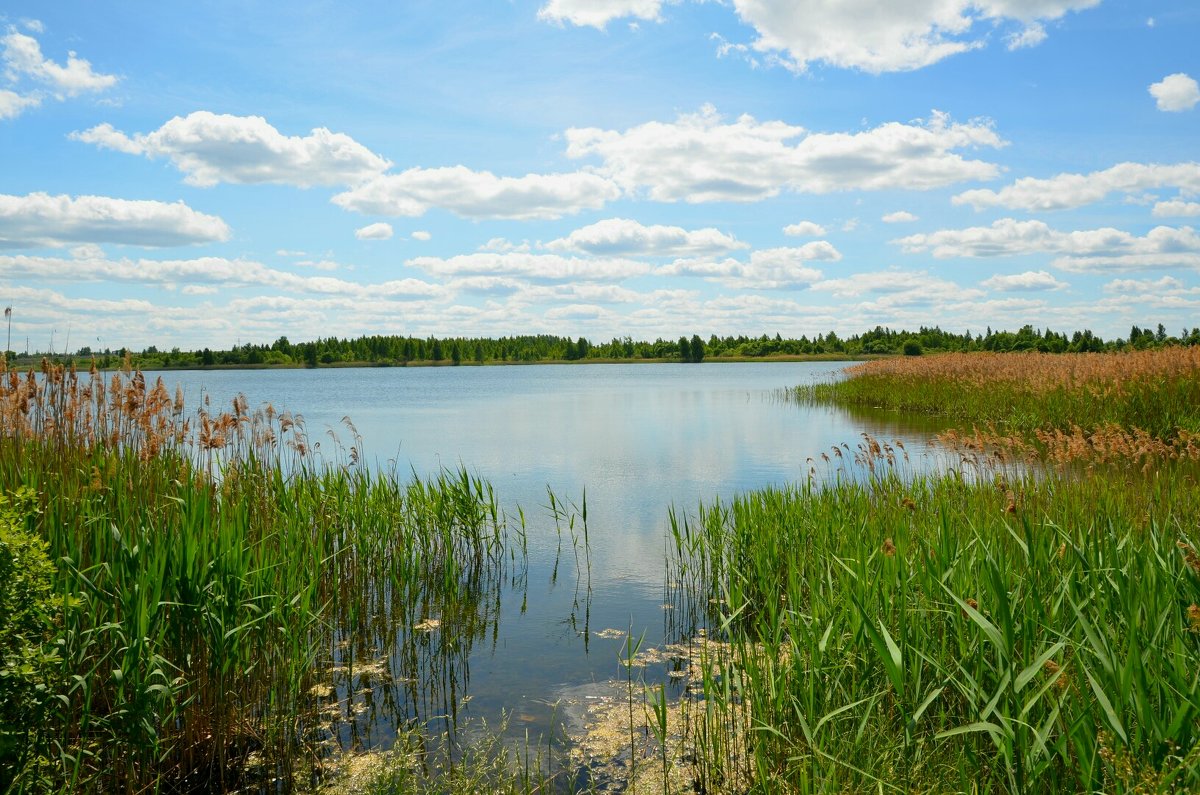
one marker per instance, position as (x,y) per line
(1176,209)
(1029,281)
(767,269)
(896,290)
(378,231)
(625,237)
(1176,92)
(899,217)
(700,158)
(504,245)
(598,13)
(23,58)
(207,271)
(1104,248)
(1162,286)
(13,104)
(737,49)
(40,219)
(479,194)
(1031,35)
(1066,191)
(886,37)
(538,267)
(212,148)
(804,229)
(421,235)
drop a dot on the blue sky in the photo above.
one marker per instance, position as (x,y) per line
(220,172)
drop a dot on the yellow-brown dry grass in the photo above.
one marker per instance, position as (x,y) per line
(122,411)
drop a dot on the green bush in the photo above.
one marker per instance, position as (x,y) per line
(29,665)
(912,348)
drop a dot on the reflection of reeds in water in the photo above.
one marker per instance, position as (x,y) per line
(224,586)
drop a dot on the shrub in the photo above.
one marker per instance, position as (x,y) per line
(29,666)
(912,348)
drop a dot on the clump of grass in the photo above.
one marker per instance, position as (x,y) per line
(224,583)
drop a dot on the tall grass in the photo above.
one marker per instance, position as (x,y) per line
(1020,393)
(1007,629)
(228,595)
(931,635)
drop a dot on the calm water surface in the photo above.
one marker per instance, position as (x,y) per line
(639,438)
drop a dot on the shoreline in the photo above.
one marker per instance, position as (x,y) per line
(815,357)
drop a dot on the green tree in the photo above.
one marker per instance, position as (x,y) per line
(697,348)
(685,350)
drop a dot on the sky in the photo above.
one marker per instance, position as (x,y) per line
(215,173)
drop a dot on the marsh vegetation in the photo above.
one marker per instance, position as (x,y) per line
(211,605)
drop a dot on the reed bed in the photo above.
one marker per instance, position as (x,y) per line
(940,634)
(225,600)
(994,628)
(1021,394)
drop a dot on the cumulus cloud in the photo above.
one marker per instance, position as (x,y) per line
(1176,209)
(211,148)
(1031,35)
(626,237)
(40,219)
(782,268)
(804,229)
(598,13)
(899,217)
(1175,92)
(1066,191)
(887,37)
(1029,281)
(13,104)
(211,271)
(379,231)
(1162,286)
(479,194)
(1105,248)
(699,157)
(893,290)
(23,57)
(32,76)
(537,267)
(421,235)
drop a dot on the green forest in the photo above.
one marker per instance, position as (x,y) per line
(394,350)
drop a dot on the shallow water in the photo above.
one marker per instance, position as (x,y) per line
(639,438)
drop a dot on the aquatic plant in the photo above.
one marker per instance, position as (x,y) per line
(225,583)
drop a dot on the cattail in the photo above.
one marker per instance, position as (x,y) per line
(889,549)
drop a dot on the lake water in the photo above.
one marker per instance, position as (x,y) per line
(639,438)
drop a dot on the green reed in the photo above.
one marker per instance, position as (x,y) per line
(218,594)
(934,634)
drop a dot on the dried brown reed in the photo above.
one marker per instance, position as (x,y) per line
(58,406)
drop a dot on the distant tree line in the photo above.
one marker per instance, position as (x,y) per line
(398,350)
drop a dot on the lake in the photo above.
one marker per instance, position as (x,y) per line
(638,439)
